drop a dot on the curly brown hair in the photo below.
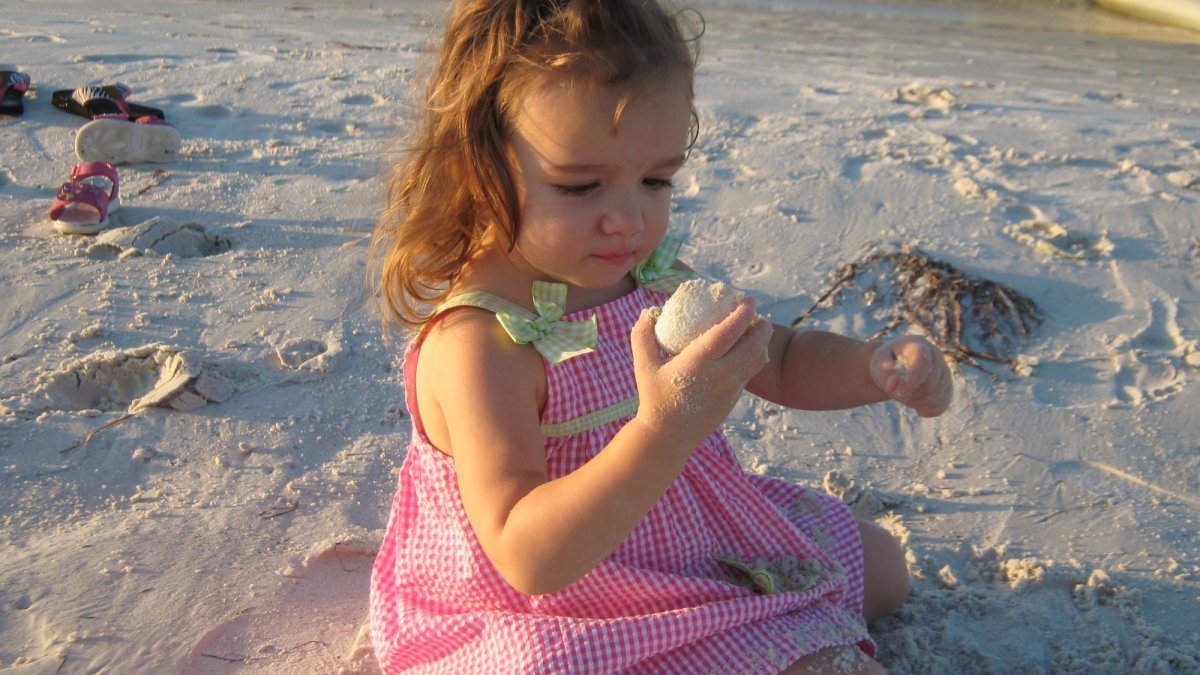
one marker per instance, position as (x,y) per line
(454,181)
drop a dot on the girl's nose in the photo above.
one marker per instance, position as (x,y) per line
(623,215)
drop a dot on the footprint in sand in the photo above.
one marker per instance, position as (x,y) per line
(861,169)
(114,59)
(1183,179)
(926,98)
(863,501)
(32,642)
(131,379)
(1139,379)
(213,110)
(309,357)
(1055,240)
(337,128)
(1032,228)
(314,623)
(296,354)
(973,169)
(363,99)
(1151,366)
(878,134)
(35,38)
(744,276)
(970,189)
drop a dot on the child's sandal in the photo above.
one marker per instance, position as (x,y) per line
(107,101)
(118,141)
(82,205)
(13,86)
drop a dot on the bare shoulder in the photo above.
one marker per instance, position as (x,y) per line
(470,337)
(470,369)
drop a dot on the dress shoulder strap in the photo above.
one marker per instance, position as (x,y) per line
(482,300)
(556,340)
(657,272)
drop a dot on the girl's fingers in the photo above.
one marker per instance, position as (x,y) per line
(751,349)
(886,369)
(720,339)
(941,391)
(643,343)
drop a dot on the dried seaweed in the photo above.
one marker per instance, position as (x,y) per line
(974,321)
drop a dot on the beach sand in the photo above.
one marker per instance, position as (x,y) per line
(202,417)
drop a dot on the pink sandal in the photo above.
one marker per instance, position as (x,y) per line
(83,203)
(13,86)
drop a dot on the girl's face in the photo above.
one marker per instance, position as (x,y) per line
(595,197)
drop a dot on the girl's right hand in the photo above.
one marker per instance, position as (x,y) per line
(912,371)
(686,396)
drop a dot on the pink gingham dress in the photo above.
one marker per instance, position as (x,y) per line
(664,602)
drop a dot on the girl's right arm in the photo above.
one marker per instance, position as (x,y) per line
(541,534)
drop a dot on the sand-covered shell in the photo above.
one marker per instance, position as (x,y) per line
(696,306)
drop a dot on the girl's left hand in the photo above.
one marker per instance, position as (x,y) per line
(912,371)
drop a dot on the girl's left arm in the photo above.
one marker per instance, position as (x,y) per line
(818,370)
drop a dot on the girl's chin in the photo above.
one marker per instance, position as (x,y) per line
(595,282)
(597,276)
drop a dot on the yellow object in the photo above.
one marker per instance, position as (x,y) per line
(1182,13)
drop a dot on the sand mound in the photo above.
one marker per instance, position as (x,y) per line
(158,236)
(133,379)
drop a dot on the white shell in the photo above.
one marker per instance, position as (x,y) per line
(695,307)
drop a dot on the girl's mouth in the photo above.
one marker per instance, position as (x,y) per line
(616,257)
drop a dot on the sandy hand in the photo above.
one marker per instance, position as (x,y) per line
(688,395)
(913,372)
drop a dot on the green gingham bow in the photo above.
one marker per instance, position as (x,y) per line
(553,338)
(655,272)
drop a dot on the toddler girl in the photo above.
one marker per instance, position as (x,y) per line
(567,503)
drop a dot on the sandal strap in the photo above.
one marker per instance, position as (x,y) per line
(94,169)
(13,79)
(79,193)
(151,119)
(117,93)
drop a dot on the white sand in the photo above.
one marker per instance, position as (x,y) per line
(1050,517)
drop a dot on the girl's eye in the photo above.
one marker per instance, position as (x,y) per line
(576,190)
(584,188)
